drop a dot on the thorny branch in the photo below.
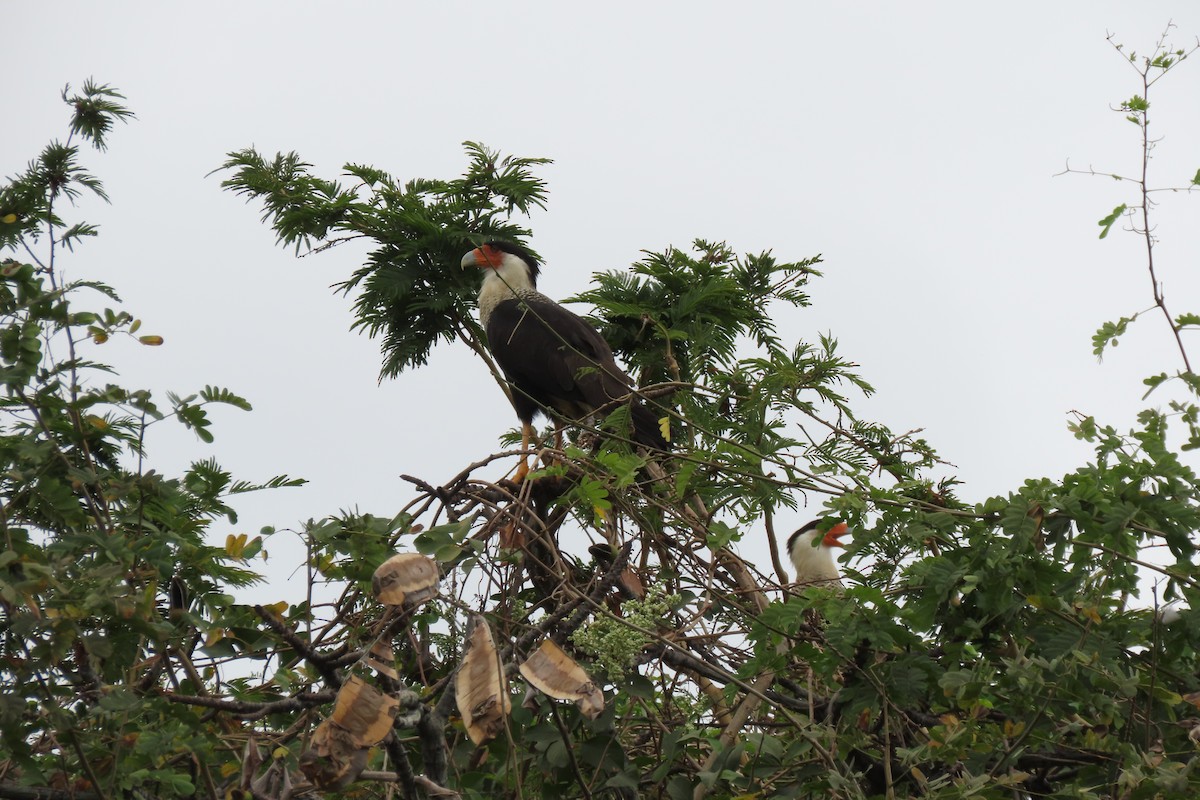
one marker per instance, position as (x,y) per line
(1150,69)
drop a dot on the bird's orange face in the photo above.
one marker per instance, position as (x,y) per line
(487,257)
(834,533)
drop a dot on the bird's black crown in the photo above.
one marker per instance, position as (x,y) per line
(520,252)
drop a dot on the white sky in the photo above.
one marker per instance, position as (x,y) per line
(911,144)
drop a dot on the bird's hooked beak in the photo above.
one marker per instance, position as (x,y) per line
(481,257)
(834,533)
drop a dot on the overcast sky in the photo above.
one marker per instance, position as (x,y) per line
(912,145)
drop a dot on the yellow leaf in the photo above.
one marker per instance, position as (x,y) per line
(664,427)
(229,768)
(277,608)
(8,219)
(1013,728)
(99,338)
(153,341)
(99,423)
(133,328)
(280,752)
(235,545)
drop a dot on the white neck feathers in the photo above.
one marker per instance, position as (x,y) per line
(505,282)
(814,565)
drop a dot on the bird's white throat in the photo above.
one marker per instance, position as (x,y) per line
(814,564)
(509,280)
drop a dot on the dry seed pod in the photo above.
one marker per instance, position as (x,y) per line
(512,537)
(554,672)
(631,584)
(480,687)
(405,579)
(433,790)
(333,759)
(364,712)
(382,659)
(252,759)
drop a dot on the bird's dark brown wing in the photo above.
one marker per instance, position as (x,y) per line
(555,360)
(554,357)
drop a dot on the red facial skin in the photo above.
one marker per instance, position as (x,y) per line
(487,257)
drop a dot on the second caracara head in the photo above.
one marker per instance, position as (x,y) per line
(811,549)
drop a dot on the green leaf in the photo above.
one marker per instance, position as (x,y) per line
(1137,103)
(622,780)
(253,548)
(215,394)
(277,482)
(1107,335)
(181,785)
(447,553)
(1192,380)
(120,699)
(720,535)
(1107,223)
(1154,381)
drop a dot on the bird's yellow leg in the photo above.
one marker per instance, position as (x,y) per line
(549,459)
(523,467)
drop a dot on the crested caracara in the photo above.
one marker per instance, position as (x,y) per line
(554,361)
(811,550)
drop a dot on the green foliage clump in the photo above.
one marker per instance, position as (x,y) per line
(107,581)
(614,643)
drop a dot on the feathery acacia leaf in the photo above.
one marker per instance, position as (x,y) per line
(96,109)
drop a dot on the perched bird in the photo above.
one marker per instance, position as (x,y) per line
(555,362)
(811,550)
(1171,612)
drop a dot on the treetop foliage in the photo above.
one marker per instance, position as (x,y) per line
(412,292)
(27,201)
(595,631)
